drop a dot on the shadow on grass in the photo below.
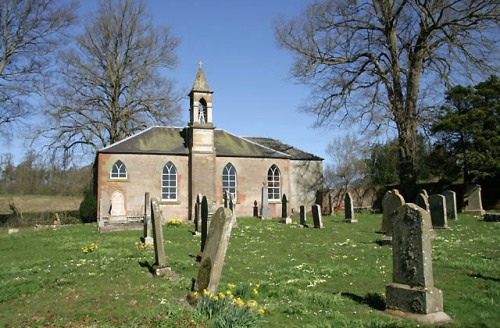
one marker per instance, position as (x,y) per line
(373,300)
(146,264)
(478,275)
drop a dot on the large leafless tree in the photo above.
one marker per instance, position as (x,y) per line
(112,83)
(30,31)
(373,60)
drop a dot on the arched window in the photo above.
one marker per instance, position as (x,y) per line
(273,183)
(119,170)
(202,111)
(169,182)
(229,179)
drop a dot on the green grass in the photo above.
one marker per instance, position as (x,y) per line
(331,277)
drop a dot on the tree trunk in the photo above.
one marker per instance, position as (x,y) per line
(407,158)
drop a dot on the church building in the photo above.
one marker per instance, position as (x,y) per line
(175,164)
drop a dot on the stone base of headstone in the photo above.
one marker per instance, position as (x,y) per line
(387,240)
(474,212)
(166,272)
(13,231)
(196,234)
(287,220)
(437,318)
(491,217)
(417,300)
(350,221)
(149,241)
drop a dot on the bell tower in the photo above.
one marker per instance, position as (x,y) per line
(202,175)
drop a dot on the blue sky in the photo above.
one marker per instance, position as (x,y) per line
(253,92)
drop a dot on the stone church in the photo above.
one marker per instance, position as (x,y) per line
(175,164)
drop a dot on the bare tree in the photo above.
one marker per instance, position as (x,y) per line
(112,84)
(372,60)
(30,31)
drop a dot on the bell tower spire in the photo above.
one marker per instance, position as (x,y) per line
(200,100)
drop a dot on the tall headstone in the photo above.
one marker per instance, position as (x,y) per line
(303,217)
(118,214)
(148,226)
(473,203)
(255,210)
(451,204)
(265,211)
(412,289)
(349,209)
(437,204)
(284,210)
(232,207)
(197,215)
(330,203)
(160,265)
(390,203)
(317,219)
(212,260)
(204,222)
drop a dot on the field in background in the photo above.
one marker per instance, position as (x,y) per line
(36,203)
(331,277)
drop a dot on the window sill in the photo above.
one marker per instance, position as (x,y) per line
(118,180)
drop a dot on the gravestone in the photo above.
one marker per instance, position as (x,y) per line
(255,210)
(437,204)
(423,191)
(330,204)
(265,211)
(473,203)
(316,213)
(232,207)
(284,211)
(212,260)
(204,223)
(148,226)
(118,214)
(422,200)
(349,209)
(101,222)
(303,217)
(412,294)
(197,215)
(451,204)
(160,266)
(390,203)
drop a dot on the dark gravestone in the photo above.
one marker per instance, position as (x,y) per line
(437,204)
(204,222)
(317,219)
(349,209)
(412,293)
(284,210)
(303,217)
(451,204)
(255,210)
(422,200)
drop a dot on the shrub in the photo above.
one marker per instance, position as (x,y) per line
(88,208)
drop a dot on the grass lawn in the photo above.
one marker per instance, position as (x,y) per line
(331,277)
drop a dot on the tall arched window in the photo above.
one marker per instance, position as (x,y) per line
(229,179)
(274,183)
(119,170)
(169,182)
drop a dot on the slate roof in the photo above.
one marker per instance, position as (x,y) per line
(175,141)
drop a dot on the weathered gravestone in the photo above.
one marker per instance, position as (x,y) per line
(160,266)
(437,204)
(349,209)
(390,203)
(303,216)
(412,294)
(284,211)
(148,226)
(204,224)
(265,211)
(473,203)
(197,215)
(451,204)
(255,210)
(232,207)
(316,213)
(212,260)
(118,214)
(330,204)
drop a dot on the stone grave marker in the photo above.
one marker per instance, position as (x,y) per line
(390,203)
(148,226)
(303,216)
(118,213)
(212,260)
(284,210)
(412,294)
(232,207)
(422,200)
(316,213)
(204,222)
(160,266)
(349,209)
(473,203)
(265,211)
(451,204)
(437,204)
(197,215)
(255,210)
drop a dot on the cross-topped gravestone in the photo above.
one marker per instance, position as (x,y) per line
(349,209)
(412,289)
(212,260)
(317,219)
